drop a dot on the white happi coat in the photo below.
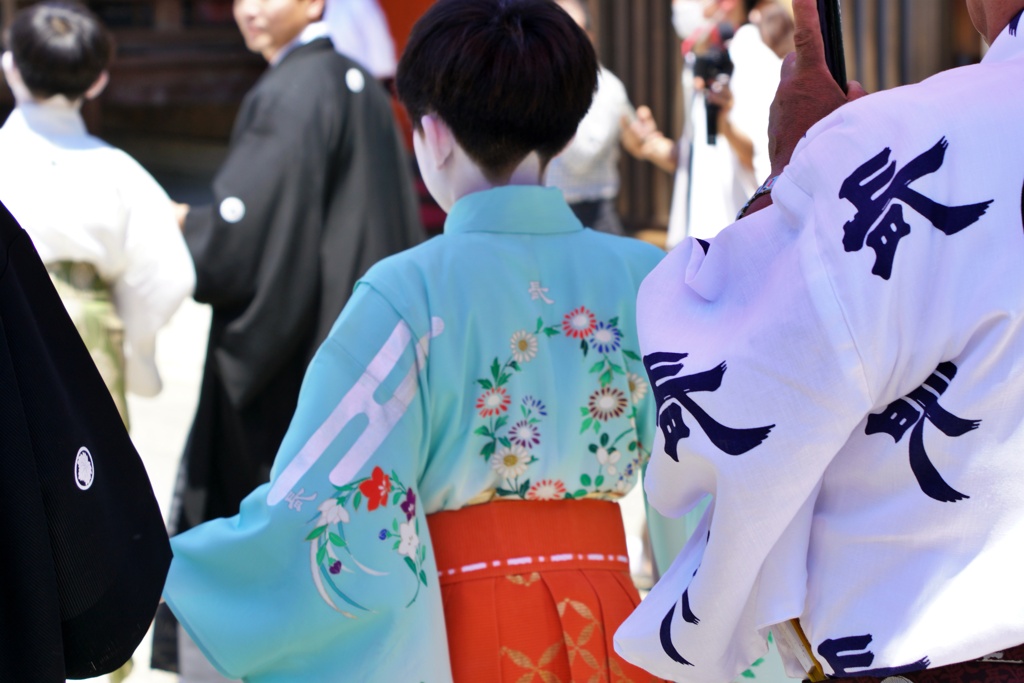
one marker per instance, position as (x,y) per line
(842,371)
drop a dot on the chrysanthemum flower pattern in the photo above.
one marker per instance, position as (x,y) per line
(493,402)
(512,442)
(511,462)
(524,346)
(606,338)
(512,439)
(637,387)
(607,403)
(579,323)
(525,434)
(534,405)
(547,489)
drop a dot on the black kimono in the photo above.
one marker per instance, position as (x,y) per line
(84,549)
(316,188)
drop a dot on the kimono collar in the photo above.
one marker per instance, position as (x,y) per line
(53,118)
(1009,44)
(522,209)
(318,29)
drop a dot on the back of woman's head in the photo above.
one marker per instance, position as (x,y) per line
(508,77)
(59,48)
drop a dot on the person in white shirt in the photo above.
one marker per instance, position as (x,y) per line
(102,225)
(587,170)
(745,98)
(841,371)
(714,177)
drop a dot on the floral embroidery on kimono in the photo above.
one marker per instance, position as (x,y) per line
(327,539)
(509,439)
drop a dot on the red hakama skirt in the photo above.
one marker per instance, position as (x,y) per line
(534,591)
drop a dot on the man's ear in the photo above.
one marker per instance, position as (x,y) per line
(315,10)
(98,85)
(7,60)
(438,139)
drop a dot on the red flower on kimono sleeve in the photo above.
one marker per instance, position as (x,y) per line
(376,489)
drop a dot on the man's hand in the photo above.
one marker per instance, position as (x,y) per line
(642,139)
(180,213)
(807,92)
(636,129)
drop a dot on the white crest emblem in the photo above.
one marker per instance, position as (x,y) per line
(85,471)
(232,209)
(355,80)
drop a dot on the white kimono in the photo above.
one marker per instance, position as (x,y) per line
(81,200)
(842,371)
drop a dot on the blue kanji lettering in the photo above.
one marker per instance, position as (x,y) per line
(844,654)
(671,392)
(666,639)
(902,415)
(688,616)
(885,238)
(880,224)
(1015,22)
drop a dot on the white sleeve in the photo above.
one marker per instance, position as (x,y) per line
(158,273)
(758,385)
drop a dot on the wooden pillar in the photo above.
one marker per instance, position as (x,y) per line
(927,37)
(636,42)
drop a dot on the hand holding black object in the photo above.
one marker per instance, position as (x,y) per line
(807,92)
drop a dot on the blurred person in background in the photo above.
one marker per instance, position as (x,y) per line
(732,51)
(587,170)
(102,225)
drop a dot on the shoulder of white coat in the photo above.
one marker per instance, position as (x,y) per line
(125,162)
(837,144)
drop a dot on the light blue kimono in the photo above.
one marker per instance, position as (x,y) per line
(498,360)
